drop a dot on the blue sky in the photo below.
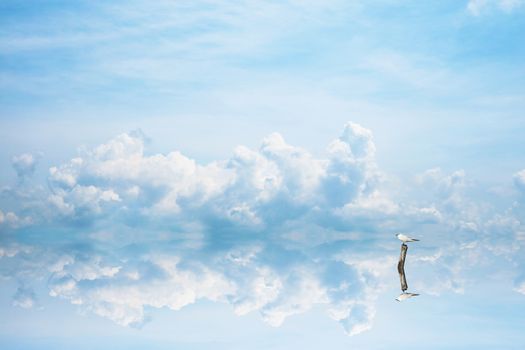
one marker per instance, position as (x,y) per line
(230,174)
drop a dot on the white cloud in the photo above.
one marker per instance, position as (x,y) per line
(265,191)
(251,188)
(519,180)
(12,220)
(521,287)
(24,298)
(243,277)
(24,165)
(275,230)
(10,251)
(444,198)
(478,7)
(121,294)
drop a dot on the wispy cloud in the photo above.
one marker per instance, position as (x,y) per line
(478,7)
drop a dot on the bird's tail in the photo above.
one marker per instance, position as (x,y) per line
(415,240)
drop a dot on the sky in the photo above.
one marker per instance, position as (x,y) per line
(232,174)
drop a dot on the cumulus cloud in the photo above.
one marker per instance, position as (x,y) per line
(24,165)
(120,293)
(255,188)
(245,277)
(243,223)
(445,199)
(275,230)
(483,233)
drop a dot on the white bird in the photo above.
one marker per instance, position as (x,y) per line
(405,296)
(404,238)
